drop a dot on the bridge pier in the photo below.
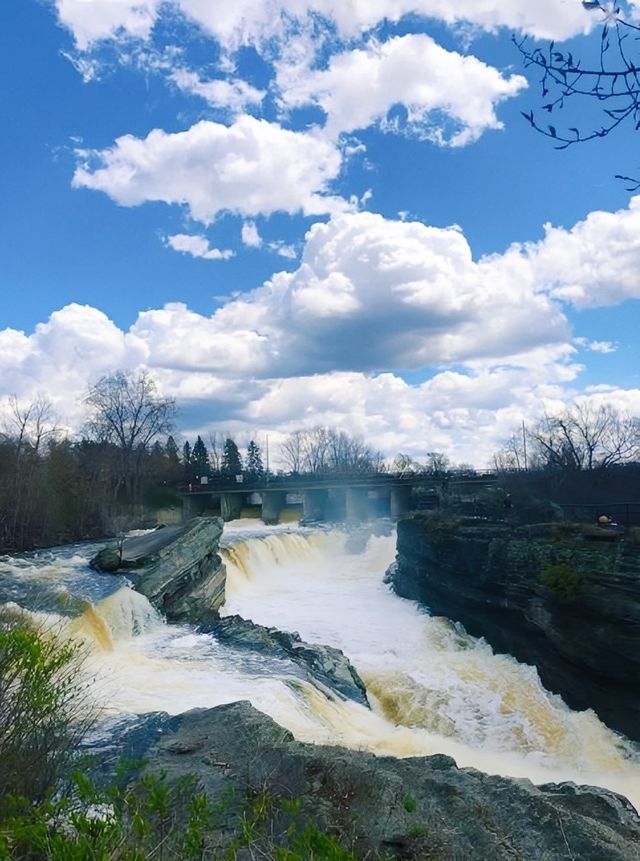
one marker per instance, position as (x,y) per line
(358,505)
(400,501)
(231,506)
(314,504)
(273,501)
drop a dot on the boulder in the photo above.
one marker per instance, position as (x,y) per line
(380,807)
(545,594)
(324,666)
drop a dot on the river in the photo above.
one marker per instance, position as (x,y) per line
(433,688)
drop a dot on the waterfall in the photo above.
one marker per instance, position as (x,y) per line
(432,687)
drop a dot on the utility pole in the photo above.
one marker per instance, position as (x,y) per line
(267,455)
(524,445)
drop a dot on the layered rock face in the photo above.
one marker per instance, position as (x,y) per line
(325,667)
(544,594)
(177,568)
(381,807)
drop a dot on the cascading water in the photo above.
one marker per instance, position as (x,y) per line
(433,688)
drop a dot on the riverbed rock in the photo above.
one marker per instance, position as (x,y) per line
(326,667)
(546,594)
(177,568)
(413,809)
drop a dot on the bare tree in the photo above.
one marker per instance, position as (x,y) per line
(127,412)
(513,454)
(30,424)
(291,452)
(324,450)
(612,82)
(585,437)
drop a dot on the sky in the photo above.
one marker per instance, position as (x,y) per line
(313,212)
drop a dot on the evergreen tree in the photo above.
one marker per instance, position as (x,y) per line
(231,460)
(200,458)
(255,468)
(171,449)
(186,462)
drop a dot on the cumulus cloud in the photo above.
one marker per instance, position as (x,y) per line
(79,342)
(329,342)
(249,168)
(371,294)
(449,98)
(596,263)
(256,21)
(197,246)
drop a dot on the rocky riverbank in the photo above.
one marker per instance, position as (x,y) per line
(379,807)
(549,595)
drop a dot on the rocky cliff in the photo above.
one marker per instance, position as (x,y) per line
(548,595)
(265,782)
(177,568)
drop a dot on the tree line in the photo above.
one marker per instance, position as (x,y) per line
(56,488)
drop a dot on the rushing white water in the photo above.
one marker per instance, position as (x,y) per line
(432,687)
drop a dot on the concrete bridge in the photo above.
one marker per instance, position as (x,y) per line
(350,498)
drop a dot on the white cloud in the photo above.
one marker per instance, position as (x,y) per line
(255,21)
(359,87)
(197,246)
(491,344)
(250,235)
(284,250)
(91,20)
(235,94)
(596,346)
(371,294)
(249,168)
(596,262)
(74,347)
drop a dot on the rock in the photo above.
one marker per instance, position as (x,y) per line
(419,808)
(324,666)
(545,594)
(108,560)
(186,579)
(177,567)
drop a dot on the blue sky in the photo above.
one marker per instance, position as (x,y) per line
(299,212)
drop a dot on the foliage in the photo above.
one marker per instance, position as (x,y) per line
(152,818)
(561,579)
(255,467)
(609,82)
(231,460)
(43,711)
(199,458)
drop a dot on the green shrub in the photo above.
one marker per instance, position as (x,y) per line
(561,579)
(409,803)
(44,711)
